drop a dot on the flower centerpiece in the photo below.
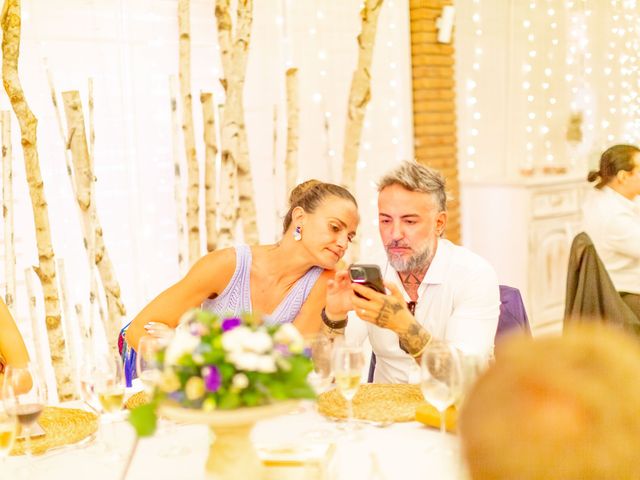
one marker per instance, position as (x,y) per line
(228,372)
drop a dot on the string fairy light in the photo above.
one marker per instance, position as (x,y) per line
(578,65)
(609,123)
(527,168)
(546,84)
(471,87)
(629,72)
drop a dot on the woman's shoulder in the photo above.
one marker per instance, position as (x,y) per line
(214,268)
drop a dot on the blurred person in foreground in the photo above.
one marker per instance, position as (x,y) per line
(561,408)
(611,216)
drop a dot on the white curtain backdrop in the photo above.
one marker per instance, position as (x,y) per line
(129,48)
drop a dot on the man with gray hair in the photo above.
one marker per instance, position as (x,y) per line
(437,289)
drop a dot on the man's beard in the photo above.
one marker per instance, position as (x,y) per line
(414,263)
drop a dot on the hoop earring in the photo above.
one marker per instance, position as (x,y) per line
(297,233)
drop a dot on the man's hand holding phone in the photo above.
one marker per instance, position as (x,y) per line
(384,310)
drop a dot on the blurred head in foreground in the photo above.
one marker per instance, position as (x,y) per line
(557,408)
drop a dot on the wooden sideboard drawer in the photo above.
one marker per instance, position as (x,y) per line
(555,202)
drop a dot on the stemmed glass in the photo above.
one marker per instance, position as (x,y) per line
(348,361)
(441,378)
(24,394)
(322,375)
(8,432)
(109,385)
(148,362)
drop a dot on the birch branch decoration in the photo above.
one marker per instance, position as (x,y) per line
(177,175)
(92,130)
(46,270)
(88,234)
(211,151)
(193,171)
(36,333)
(7,213)
(234,52)
(71,327)
(360,92)
(228,212)
(84,176)
(246,193)
(293,121)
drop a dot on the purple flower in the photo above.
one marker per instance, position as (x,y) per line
(212,378)
(283,349)
(230,323)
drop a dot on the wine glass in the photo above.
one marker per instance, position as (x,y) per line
(148,361)
(8,432)
(321,349)
(109,387)
(348,362)
(441,378)
(24,394)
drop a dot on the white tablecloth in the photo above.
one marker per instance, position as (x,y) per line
(401,451)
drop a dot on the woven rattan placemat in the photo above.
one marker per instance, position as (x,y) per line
(376,402)
(62,426)
(136,400)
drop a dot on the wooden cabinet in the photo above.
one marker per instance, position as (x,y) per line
(525,228)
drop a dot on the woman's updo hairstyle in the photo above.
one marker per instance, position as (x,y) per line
(310,194)
(614,159)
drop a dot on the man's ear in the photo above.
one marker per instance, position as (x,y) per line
(297,215)
(441,223)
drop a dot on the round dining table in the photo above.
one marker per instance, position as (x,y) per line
(368,451)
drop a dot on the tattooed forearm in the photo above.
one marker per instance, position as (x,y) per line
(414,339)
(387,311)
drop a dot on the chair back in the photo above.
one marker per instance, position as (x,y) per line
(513,316)
(128,355)
(590,294)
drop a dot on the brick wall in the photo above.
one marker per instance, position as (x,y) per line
(434,119)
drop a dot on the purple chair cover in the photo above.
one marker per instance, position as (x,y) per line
(128,355)
(513,316)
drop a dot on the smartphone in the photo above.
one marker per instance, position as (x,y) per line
(367,275)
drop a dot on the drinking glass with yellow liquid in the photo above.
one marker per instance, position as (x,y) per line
(348,362)
(109,386)
(8,432)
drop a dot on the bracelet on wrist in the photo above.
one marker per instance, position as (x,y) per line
(333,324)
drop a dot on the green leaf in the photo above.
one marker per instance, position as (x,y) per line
(144,419)
(229,400)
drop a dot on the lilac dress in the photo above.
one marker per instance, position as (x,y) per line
(236,297)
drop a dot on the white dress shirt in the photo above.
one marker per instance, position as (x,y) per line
(613,223)
(458,301)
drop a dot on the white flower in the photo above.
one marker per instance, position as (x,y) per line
(287,334)
(258,342)
(240,381)
(266,364)
(244,361)
(182,343)
(234,340)
(296,346)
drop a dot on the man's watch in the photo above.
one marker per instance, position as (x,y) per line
(333,324)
